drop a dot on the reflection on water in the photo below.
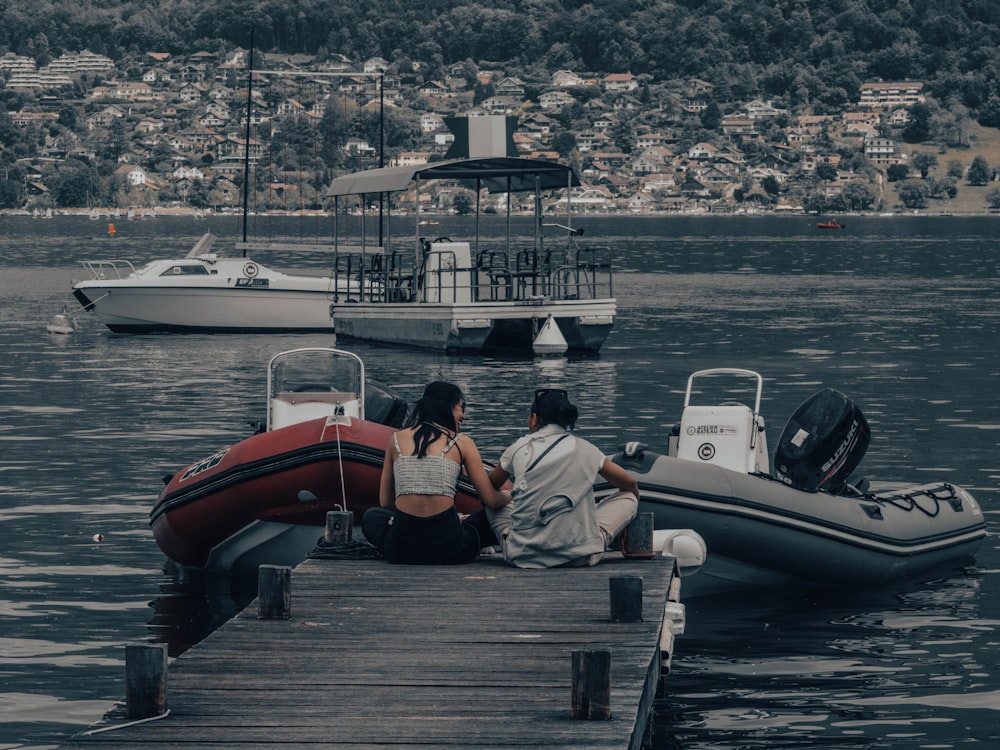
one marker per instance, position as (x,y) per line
(899,315)
(833,669)
(192,604)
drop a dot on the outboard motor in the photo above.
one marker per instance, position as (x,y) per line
(822,443)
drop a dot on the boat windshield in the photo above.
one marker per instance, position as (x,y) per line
(185,269)
(307,383)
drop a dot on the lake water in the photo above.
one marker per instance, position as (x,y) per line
(901,314)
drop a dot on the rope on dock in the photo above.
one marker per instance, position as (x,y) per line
(357,549)
(115,727)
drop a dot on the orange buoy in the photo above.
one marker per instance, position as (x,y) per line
(111,229)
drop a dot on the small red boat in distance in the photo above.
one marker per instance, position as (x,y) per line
(832,224)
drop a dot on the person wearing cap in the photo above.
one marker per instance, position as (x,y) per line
(554,519)
(416,521)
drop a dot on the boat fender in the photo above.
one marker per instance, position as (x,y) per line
(686,546)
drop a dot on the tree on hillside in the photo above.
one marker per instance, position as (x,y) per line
(71,184)
(859,195)
(621,135)
(942,187)
(564,143)
(924,162)
(897,172)
(826,171)
(711,116)
(11,193)
(979,171)
(913,193)
(918,129)
(989,114)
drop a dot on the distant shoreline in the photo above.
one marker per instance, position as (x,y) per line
(153,213)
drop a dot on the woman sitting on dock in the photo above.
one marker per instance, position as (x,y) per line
(554,519)
(417,522)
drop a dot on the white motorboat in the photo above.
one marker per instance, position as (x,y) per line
(813,521)
(473,295)
(207,293)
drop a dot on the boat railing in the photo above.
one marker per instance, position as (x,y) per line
(592,277)
(494,276)
(108,269)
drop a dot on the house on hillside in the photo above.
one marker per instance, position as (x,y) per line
(883,151)
(434,90)
(619,82)
(641,203)
(104,117)
(651,161)
(431,122)
(761,110)
(891,94)
(375,65)
(511,87)
(586,199)
(739,127)
(501,105)
(564,79)
(132,173)
(702,152)
(555,100)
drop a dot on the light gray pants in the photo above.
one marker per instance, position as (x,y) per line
(614,513)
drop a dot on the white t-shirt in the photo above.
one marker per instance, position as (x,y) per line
(554,515)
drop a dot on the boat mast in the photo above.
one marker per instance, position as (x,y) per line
(246,147)
(381,147)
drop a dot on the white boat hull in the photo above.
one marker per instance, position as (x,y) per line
(137,309)
(205,292)
(760,531)
(585,324)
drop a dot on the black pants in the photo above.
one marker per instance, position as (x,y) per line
(441,539)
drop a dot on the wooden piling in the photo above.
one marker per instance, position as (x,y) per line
(637,541)
(626,598)
(339,527)
(145,680)
(274,594)
(591,685)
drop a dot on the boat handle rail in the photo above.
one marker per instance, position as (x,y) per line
(96,268)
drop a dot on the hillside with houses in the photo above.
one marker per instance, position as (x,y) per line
(157,130)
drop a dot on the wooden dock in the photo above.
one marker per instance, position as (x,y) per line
(376,656)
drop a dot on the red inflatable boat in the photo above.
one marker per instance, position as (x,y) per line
(265,499)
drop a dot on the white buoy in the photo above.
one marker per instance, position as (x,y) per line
(61,323)
(685,545)
(549,339)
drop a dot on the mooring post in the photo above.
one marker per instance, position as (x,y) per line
(145,680)
(339,527)
(626,598)
(637,541)
(591,685)
(274,592)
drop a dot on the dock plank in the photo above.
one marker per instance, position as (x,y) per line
(376,656)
